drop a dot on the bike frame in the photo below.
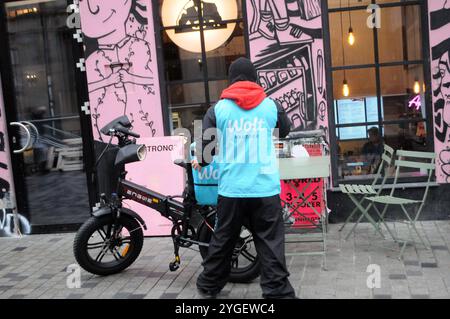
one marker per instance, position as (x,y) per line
(180,213)
(187,230)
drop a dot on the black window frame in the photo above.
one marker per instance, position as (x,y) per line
(205,79)
(424,62)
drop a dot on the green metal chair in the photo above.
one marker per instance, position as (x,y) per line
(353,190)
(416,160)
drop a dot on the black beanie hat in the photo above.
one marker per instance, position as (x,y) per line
(242,69)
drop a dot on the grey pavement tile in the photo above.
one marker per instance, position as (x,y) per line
(429,265)
(11,275)
(89,285)
(397,276)
(411,263)
(169,296)
(18,278)
(439,247)
(382,296)
(413,273)
(75,296)
(420,296)
(121,295)
(152,274)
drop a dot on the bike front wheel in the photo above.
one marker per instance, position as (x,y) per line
(103,246)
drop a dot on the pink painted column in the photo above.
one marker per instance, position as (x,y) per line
(121,66)
(439,19)
(286,46)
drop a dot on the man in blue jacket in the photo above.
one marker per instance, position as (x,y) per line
(249,181)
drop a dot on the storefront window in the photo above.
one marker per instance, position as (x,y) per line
(378,84)
(363,52)
(195,73)
(334,4)
(400,35)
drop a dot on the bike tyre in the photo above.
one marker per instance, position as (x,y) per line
(89,227)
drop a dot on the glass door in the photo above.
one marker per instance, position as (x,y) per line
(51,172)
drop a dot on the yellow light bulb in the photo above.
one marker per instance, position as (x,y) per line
(416,87)
(351,37)
(345,89)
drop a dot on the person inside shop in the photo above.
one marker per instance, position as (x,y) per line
(375,144)
(249,190)
(373,148)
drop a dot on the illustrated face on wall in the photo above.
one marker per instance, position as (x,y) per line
(444,70)
(104,17)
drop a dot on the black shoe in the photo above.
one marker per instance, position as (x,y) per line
(207,294)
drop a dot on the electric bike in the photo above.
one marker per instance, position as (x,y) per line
(112,238)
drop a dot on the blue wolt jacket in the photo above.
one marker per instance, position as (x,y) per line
(243,124)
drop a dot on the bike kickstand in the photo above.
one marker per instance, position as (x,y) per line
(175,264)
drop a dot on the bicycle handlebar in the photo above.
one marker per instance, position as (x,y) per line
(126,131)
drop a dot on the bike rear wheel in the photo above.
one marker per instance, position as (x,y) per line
(245,265)
(104,247)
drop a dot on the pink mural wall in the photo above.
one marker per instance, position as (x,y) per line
(7,193)
(121,64)
(122,75)
(287,48)
(439,18)
(6,178)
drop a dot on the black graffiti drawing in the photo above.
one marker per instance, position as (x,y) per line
(119,57)
(269,17)
(285,65)
(320,71)
(442,96)
(444,157)
(2,141)
(144,116)
(441,52)
(322,110)
(293,103)
(4,184)
(188,19)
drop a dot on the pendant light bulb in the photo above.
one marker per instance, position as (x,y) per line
(416,86)
(345,89)
(351,36)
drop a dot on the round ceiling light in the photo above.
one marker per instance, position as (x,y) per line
(183,18)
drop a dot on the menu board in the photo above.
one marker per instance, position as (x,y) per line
(350,111)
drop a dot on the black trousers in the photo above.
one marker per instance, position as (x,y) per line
(264,219)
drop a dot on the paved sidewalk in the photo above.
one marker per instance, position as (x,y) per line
(36,267)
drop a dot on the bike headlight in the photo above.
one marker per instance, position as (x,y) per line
(131,153)
(142,152)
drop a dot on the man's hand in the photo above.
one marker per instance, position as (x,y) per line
(196,165)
